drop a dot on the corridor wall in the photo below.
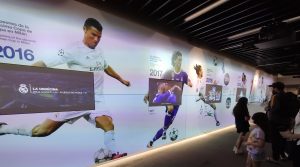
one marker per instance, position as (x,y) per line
(31,31)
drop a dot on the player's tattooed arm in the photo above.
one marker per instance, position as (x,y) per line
(111,72)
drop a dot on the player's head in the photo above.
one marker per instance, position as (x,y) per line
(92,32)
(176,59)
(228,102)
(199,71)
(162,87)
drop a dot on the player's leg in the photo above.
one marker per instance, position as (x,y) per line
(106,123)
(201,97)
(170,115)
(46,128)
(171,112)
(41,130)
(162,130)
(213,106)
(158,135)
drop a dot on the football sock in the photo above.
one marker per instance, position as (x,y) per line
(7,129)
(109,141)
(158,134)
(215,116)
(168,121)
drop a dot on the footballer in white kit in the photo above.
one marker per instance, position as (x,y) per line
(81,56)
(200,89)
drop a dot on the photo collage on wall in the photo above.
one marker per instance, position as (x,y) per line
(241,87)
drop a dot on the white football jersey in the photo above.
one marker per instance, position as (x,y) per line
(81,58)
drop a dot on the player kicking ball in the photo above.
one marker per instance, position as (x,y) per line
(200,88)
(177,74)
(82,56)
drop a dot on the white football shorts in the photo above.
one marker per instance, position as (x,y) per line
(89,115)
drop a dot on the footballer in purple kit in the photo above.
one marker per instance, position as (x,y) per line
(177,74)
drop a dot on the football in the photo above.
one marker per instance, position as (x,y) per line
(173,134)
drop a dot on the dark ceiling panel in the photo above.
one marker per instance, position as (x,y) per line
(272,41)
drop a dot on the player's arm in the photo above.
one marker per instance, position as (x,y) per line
(146,98)
(175,87)
(111,72)
(189,83)
(39,64)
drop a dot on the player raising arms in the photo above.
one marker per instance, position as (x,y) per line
(176,73)
(82,56)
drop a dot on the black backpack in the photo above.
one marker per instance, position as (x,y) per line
(291,105)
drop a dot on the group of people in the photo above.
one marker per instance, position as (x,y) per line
(275,126)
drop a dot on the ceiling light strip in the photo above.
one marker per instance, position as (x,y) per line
(198,6)
(274,64)
(235,25)
(164,4)
(246,33)
(230,17)
(290,20)
(174,10)
(217,38)
(214,15)
(147,3)
(207,9)
(225,43)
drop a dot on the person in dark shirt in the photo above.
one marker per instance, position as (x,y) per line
(274,112)
(241,117)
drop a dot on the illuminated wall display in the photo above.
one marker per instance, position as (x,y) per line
(55,34)
(26,89)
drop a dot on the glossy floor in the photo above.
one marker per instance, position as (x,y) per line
(210,150)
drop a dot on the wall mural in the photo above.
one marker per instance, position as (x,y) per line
(191,90)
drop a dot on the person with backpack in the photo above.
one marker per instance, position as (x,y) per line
(292,132)
(277,117)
